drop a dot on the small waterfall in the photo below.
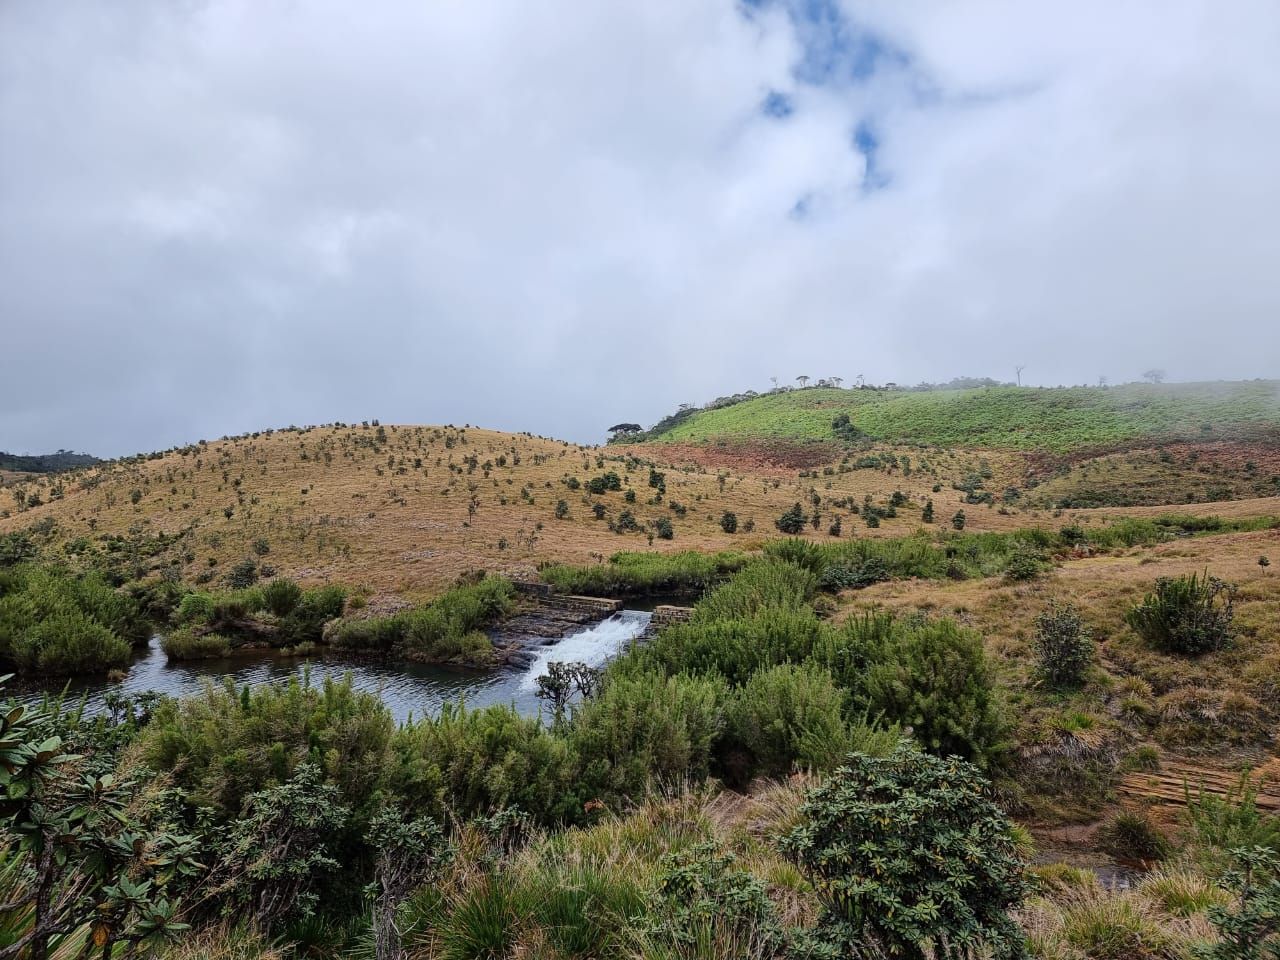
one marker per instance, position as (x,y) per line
(593,646)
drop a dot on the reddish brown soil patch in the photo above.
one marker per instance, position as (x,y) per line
(1263,452)
(747,455)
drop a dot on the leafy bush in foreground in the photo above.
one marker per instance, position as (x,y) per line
(1188,615)
(945,866)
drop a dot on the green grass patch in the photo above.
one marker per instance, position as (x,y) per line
(640,573)
(1022,418)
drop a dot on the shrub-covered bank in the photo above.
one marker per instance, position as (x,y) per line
(301,815)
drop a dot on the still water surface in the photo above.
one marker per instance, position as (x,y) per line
(408,689)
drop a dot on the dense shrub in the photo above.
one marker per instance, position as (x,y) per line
(225,744)
(274,861)
(644,573)
(733,648)
(1188,615)
(944,863)
(184,643)
(1063,645)
(468,762)
(729,522)
(447,628)
(788,716)
(934,678)
(757,587)
(59,623)
(792,521)
(704,902)
(281,596)
(646,728)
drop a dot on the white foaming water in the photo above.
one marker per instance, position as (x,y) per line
(593,646)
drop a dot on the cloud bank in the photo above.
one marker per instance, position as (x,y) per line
(218,216)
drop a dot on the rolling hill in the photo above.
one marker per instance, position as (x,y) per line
(1054,420)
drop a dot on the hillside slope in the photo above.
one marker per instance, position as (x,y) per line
(1053,420)
(409,508)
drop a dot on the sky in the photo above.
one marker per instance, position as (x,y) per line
(223,215)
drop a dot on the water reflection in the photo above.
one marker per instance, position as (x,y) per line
(408,689)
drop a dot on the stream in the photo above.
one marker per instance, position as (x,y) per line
(410,690)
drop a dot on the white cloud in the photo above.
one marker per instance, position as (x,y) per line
(224,215)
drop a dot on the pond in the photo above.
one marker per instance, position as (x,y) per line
(408,689)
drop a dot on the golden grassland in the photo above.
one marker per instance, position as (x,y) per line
(409,508)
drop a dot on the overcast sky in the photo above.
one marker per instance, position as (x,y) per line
(220,216)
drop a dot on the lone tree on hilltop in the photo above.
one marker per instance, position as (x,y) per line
(803,381)
(624,429)
(1154,375)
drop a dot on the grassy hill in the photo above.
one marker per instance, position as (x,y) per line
(1052,420)
(409,508)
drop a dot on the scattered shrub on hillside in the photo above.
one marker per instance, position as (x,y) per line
(604,483)
(792,521)
(663,529)
(1188,614)
(562,510)
(1024,563)
(957,521)
(729,522)
(1063,645)
(243,575)
(945,863)
(926,515)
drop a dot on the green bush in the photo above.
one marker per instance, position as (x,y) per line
(1133,836)
(759,586)
(58,623)
(468,762)
(729,522)
(704,902)
(645,729)
(788,716)
(1063,645)
(732,648)
(644,573)
(792,521)
(281,596)
(226,743)
(446,629)
(907,853)
(1188,615)
(184,643)
(934,679)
